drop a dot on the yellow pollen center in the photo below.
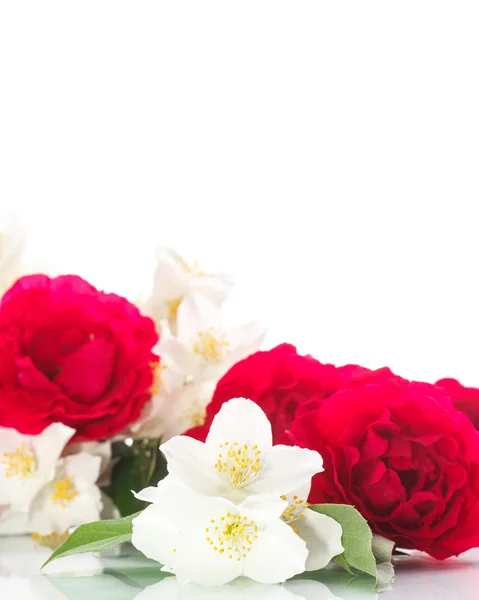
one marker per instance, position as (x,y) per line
(195,414)
(52,540)
(294,512)
(173,306)
(20,463)
(211,345)
(232,536)
(64,491)
(241,463)
(193,268)
(157,368)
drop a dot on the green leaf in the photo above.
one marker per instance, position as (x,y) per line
(357,537)
(139,466)
(95,537)
(341,561)
(382,548)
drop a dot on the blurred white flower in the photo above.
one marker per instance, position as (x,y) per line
(212,541)
(174,413)
(174,279)
(27,462)
(202,348)
(101,449)
(12,246)
(14,523)
(71,498)
(158,411)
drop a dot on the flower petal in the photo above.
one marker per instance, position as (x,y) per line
(155,535)
(214,287)
(193,464)
(285,469)
(263,507)
(83,466)
(179,355)
(195,314)
(48,515)
(49,445)
(150,494)
(323,538)
(195,561)
(196,558)
(245,339)
(14,523)
(276,555)
(241,420)
(154,494)
(170,279)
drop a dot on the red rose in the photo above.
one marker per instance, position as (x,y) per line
(403,456)
(464,398)
(283,383)
(278,380)
(72,354)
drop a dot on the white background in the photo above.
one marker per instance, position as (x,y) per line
(325,153)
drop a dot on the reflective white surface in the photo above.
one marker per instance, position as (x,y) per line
(126,575)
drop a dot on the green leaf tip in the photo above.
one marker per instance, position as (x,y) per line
(95,537)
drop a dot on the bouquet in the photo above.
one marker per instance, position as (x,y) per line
(215,458)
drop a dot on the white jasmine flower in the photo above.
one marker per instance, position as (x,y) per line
(27,462)
(238,458)
(158,412)
(12,246)
(321,533)
(202,348)
(174,413)
(174,279)
(211,541)
(71,498)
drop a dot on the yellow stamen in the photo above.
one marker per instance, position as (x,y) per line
(64,491)
(52,540)
(294,511)
(193,268)
(241,465)
(236,535)
(211,345)
(157,368)
(173,306)
(20,463)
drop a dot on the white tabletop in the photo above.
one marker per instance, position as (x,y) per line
(127,575)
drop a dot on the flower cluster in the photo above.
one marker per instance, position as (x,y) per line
(43,492)
(196,349)
(79,366)
(236,505)
(405,454)
(90,383)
